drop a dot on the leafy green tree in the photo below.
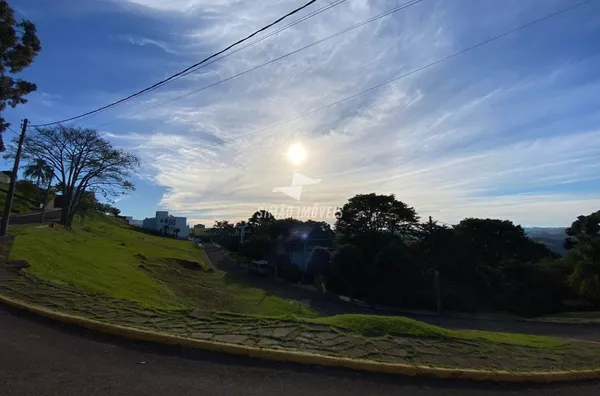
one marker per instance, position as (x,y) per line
(399,278)
(87,206)
(372,213)
(582,228)
(177,231)
(257,247)
(19,45)
(39,171)
(583,242)
(259,222)
(492,258)
(222,230)
(283,227)
(348,271)
(103,207)
(319,261)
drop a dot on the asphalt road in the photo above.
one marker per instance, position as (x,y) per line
(331,306)
(51,215)
(38,357)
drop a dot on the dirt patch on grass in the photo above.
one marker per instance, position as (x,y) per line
(189,265)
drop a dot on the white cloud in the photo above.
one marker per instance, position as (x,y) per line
(456,140)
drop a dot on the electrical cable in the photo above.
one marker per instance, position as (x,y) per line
(183,71)
(353,27)
(446,58)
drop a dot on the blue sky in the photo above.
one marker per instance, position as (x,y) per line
(509,130)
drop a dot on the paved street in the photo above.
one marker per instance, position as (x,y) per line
(41,358)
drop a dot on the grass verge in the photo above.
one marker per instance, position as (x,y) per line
(378,326)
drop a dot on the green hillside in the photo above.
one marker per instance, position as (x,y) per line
(108,256)
(20,204)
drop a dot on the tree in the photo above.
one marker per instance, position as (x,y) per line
(241,224)
(19,45)
(259,222)
(347,274)
(257,247)
(319,261)
(583,242)
(177,231)
(223,230)
(83,161)
(104,207)
(224,227)
(492,259)
(400,278)
(372,213)
(87,206)
(582,228)
(39,170)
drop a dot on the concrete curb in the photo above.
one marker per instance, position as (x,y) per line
(302,357)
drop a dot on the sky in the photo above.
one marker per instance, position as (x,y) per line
(509,130)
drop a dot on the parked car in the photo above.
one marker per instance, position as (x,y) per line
(259,267)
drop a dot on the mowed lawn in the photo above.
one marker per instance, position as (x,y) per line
(108,256)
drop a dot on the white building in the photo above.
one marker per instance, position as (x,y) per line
(164,222)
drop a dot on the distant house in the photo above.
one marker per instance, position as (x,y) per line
(163,222)
(241,233)
(298,247)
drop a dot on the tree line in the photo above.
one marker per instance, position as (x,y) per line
(381,252)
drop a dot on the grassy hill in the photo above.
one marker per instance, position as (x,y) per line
(20,205)
(109,257)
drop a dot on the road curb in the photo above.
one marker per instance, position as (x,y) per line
(302,357)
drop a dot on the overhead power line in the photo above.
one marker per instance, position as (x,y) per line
(441,60)
(296,22)
(304,18)
(353,27)
(12,130)
(166,80)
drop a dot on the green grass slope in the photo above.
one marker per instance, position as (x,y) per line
(379,326)
(107,256)
(20,205)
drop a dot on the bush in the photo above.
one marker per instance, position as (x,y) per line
(291,273)
(318,262)
(400,279)
(348,273)
(257,247)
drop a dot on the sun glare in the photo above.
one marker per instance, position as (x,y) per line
(296,154)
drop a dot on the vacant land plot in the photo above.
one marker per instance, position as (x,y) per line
(107,256)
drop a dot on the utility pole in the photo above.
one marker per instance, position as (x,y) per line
(13,182)
(434,265)
(46,198)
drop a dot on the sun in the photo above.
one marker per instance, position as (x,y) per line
(297,154)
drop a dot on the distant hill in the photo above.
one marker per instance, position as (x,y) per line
(553,237)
